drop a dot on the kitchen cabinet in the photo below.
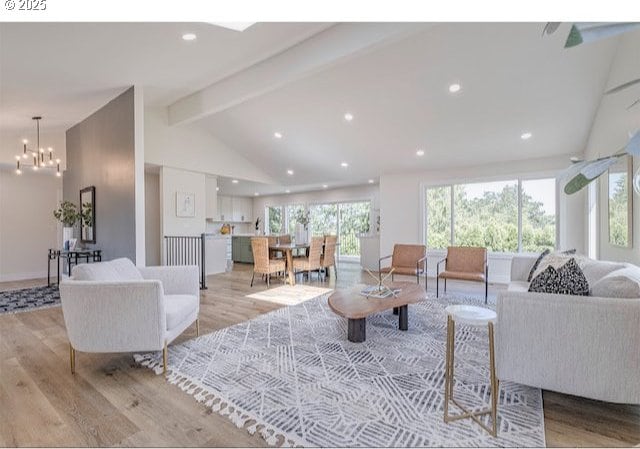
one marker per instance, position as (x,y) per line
(241,249)
(234,209)
(225,208)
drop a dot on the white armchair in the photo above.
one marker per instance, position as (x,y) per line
(115,307)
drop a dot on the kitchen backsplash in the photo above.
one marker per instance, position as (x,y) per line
(213,227)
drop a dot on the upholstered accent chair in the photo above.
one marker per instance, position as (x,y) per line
(328,258)
(262,262)
(464,263)
(406,259)
(115,306)
(313,261)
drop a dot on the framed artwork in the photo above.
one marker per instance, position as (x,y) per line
(185,204)
(88,215)
(620,196)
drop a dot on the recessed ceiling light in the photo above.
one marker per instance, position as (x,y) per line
(235,181)
(277,135)
(287,191)
(453,88)
(217,189)
(526,136)
(324,186)
(420,153)
(256,194)
(236,26)
(290,172)
(189,37)
(344,165)
(371,181)
(348,116)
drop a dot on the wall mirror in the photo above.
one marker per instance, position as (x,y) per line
(88,215)
(620,195)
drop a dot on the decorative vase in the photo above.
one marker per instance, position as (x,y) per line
(67,234)
(302,236)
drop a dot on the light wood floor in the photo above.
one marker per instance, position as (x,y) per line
(112,402)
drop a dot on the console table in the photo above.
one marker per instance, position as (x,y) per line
(72,257)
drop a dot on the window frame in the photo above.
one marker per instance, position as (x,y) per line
(519,178)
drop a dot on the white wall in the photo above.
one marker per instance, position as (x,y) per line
(153,239)
(357,193)
(27,226)
(172,181)
(191,147)
(401,206)
(609,133)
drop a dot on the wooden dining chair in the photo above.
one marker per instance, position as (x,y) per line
(312,262)
(328,258)
(262,263)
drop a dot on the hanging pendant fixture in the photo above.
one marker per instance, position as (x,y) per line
(37,158)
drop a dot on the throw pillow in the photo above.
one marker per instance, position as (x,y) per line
(542,255)
(558,259)
(622,283)
(566,280)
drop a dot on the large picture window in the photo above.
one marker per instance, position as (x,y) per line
(503,216)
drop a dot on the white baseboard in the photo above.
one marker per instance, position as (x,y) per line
(24,276)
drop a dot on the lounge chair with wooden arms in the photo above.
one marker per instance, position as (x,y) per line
(406,259)
(464,263)
(262,263)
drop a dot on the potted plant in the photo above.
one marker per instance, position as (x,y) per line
(67,214)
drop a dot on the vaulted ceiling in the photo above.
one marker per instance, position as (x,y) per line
(299,80)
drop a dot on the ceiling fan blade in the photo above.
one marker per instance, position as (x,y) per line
(622,86)
(633,146)
(591,32)
(550,28)
(576,184)
(595,168)
(572,170)
(635,103)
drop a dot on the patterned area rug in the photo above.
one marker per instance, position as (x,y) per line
(293,374)
(26,299)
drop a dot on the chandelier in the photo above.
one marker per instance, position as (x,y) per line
(36,159)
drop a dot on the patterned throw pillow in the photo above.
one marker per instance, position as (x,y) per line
(566,280)
(542,255)
(557,259)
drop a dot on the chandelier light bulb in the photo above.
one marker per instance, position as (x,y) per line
(25,141)
(35,168)
(18,171)
(17,158)
(50,150)
(57,161)
(24,156)
(50,162)
(42,150)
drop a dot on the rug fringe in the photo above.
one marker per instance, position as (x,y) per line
(224,408)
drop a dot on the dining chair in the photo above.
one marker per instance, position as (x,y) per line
(328,258)
(262,263)
(312,262)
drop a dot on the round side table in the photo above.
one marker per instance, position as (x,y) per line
(478,317)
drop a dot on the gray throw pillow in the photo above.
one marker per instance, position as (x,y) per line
(542,255)
(566,280)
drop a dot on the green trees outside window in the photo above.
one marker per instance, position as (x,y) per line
(486,214)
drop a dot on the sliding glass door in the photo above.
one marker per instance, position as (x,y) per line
(353,220)
(346,220)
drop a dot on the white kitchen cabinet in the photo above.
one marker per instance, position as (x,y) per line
(211,197)
(242,209)
(225,208)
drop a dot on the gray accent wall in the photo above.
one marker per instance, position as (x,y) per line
(101,153)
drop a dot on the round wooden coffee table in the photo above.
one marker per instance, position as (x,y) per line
(355,307)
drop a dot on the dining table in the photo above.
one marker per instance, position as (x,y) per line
(287,249)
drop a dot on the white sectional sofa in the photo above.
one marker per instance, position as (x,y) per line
(586,346)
